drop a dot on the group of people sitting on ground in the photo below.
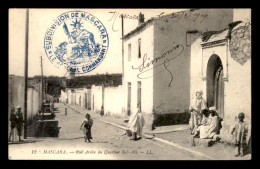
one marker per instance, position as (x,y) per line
(205,123)
(209,126)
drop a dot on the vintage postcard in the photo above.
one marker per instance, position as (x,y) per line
(129,84)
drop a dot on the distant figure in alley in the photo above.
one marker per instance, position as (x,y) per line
(136,124)
(87,123)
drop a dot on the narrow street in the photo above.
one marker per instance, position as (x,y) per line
(183,75)
(109,143)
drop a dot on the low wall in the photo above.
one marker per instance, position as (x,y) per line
(171,118)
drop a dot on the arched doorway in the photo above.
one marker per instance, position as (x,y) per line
(215,84)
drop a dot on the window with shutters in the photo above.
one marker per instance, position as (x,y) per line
(139,91)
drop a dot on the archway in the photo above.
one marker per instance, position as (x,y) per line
(215,84)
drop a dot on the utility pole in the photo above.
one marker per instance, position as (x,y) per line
(26,71)
(122,17)
(42,86)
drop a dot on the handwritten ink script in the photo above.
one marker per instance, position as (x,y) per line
(191,16)
(116,15)
(149,64)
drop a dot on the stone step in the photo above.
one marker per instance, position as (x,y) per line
(204,142)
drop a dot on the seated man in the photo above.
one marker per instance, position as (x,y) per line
(205,122)
(208,131)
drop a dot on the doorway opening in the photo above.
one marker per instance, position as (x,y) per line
(129,98)
(139,96)
(215,84)
(86,101)
(79,101)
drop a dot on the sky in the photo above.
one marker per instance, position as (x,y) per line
(41,19)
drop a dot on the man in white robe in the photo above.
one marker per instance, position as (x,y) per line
(136,124)
(195,109)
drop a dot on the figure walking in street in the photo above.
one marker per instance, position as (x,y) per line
(136,124)
(195,110)
(19,117)
(102,111)
(13,125)
(66,112)
(239,132)
(87,123)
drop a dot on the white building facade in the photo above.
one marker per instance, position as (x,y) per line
(157,56)
(221,67)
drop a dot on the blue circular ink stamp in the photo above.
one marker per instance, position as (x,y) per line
(76,41)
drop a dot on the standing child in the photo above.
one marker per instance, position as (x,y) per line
(87,123)
(239,132)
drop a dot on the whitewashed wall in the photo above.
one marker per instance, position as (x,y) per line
(33,103)
(96,93)
(113,102)
(79,93)
(69,96)
(64,96)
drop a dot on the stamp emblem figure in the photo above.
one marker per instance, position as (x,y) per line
(77,41)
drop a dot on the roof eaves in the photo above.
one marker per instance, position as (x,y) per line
(138,28)
(143,25)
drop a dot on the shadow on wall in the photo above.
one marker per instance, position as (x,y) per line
(171,118)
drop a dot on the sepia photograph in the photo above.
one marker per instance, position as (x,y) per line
(129,84)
